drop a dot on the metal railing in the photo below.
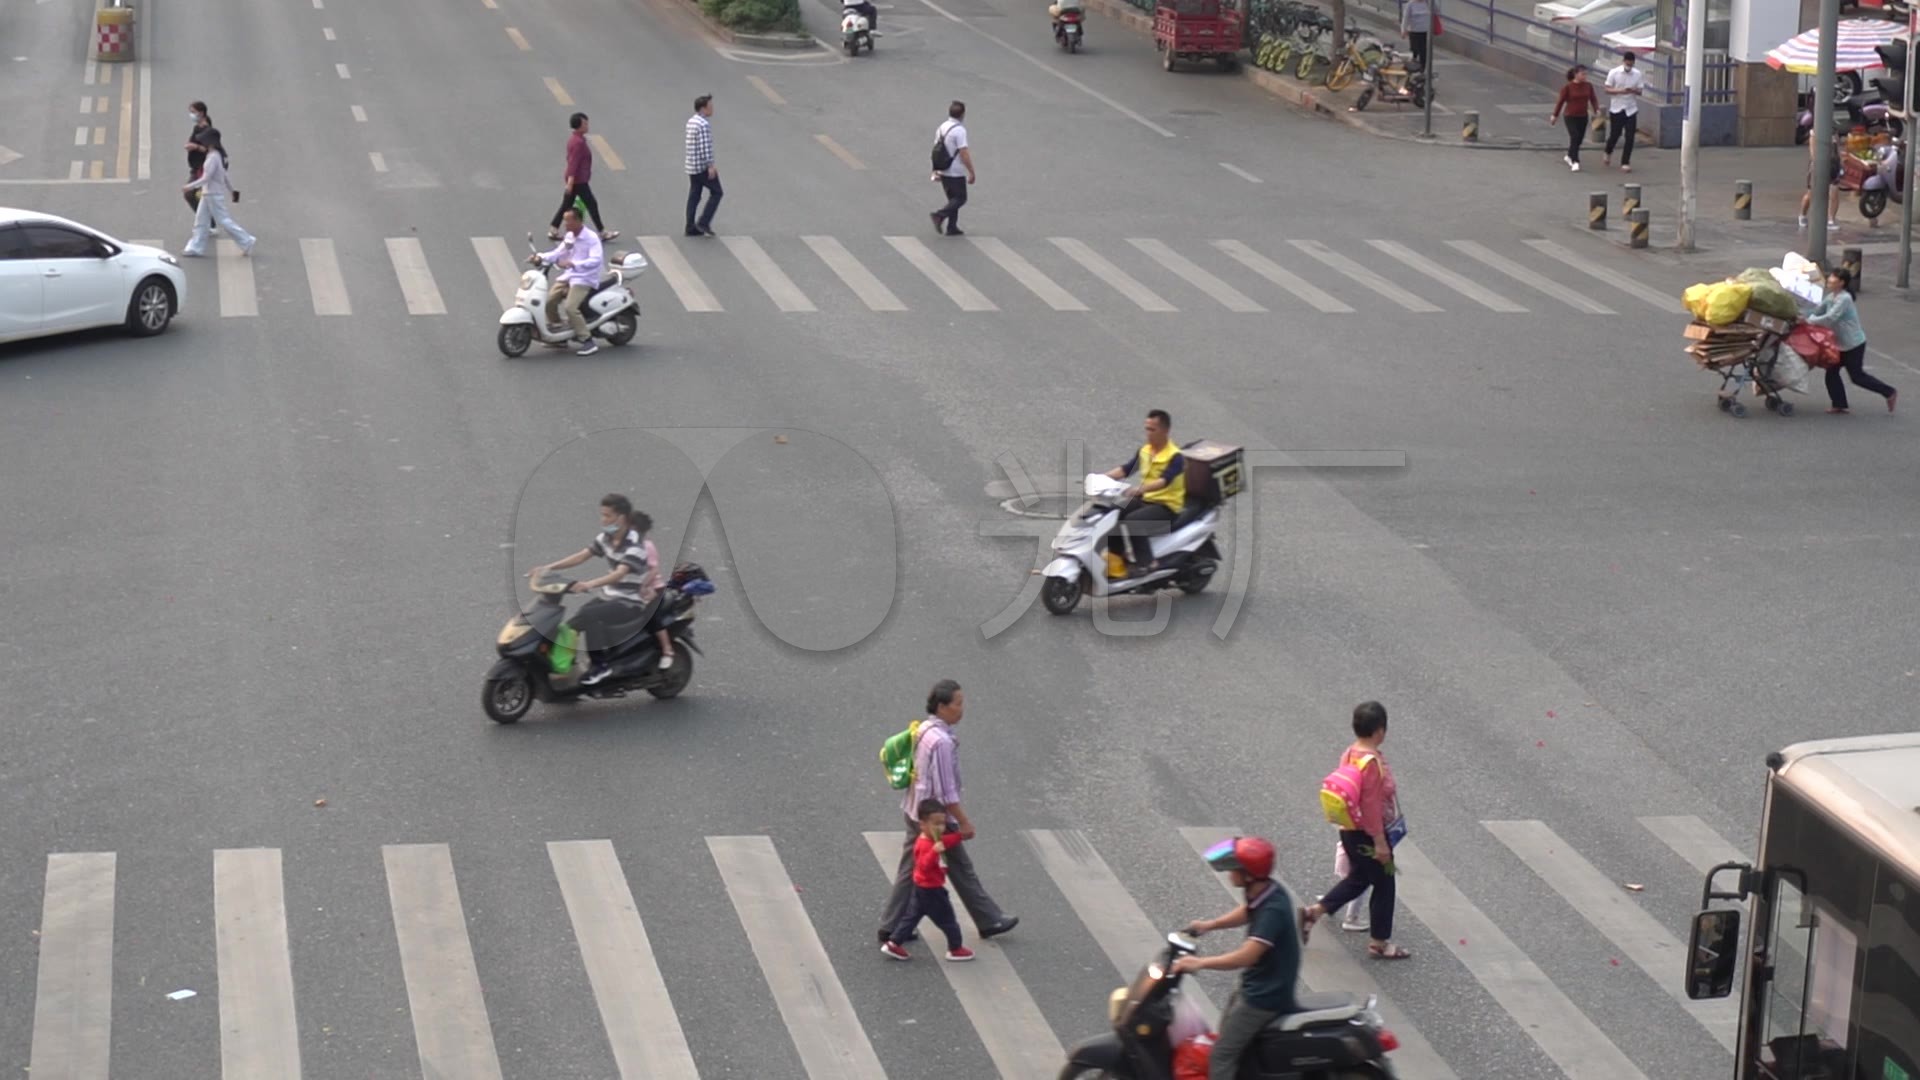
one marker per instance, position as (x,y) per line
(1563,45)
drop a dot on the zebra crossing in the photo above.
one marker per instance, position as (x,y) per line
(258,985)
(810,274)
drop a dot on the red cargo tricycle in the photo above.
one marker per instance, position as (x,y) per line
(1197,30)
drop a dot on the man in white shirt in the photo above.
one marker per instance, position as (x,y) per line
(1623,86)
(958,173)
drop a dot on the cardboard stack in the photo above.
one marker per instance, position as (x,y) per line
(1722,346)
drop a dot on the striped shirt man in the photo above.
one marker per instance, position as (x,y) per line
(702,177)
(936,765)
(699,144)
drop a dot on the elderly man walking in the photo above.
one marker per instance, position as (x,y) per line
(582,258)
(936,766)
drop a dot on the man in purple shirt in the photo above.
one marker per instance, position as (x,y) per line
(581,260)
(579,181)
(936,775)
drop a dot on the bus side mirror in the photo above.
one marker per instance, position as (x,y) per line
(1713,950)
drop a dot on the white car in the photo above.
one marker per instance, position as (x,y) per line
(1638,40)
(58,276)
(1547,16)
(1567,9)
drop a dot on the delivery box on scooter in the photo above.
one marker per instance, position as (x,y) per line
(1212,471)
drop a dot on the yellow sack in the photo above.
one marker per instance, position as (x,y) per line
(1695,299)
(1727,301)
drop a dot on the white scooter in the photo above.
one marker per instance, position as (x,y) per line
(855,32)
(1186,553)
(611,310)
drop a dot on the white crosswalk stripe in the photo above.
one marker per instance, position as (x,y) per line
(1363,276)
(1529,278)
(1472,290)
(957,288)
(502,269)
(767,274)
(1663,301)
(854,274)
(1027,274)
(237,296)
(1185,269)
(1122,282)
(260,1033)
(1003,1013)
(417,286)
(1281,276)
(324,280)
(686,285)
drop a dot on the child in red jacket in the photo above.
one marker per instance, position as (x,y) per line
(930,900)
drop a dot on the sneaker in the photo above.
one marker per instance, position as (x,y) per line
(1832,224)
(895,952)
(937,225)
(597,675)
(1803,221)
(610,234)
(553,234)
(1000,927)
(955,232)
(666,662)
(1626,168)
(1355,926)
(1606,161)
(587,348)
(1568,160)
(960,955)
(1576,166)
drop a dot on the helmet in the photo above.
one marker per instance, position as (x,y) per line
(1250,855)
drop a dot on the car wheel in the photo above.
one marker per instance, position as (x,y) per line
(151,308)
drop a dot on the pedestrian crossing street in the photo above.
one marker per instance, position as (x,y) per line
(811,274)
(258,989)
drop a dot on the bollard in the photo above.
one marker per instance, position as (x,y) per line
(1470,127)
(1599,130)
(1632,200)
(113,34)
(1637,228)
(1743,200)
(1597,210)
(1850,262)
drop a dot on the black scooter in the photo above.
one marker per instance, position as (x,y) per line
(526,673)
(1333,1037)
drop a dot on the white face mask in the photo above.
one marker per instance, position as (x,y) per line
(194,116)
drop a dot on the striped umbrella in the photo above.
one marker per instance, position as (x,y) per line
(1853,52)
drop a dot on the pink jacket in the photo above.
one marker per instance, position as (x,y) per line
(1379,794)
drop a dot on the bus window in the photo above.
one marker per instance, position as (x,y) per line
(1805,1027)
(1890,988)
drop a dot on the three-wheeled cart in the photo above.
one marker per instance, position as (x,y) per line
(1197,30)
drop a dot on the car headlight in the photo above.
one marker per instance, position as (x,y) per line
(168,259)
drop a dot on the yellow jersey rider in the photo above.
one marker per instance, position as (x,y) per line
(1157,496)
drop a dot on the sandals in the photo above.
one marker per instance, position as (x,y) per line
(1388,951)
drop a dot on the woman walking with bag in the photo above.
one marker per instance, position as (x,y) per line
(1369,847)
(1836,311)
(214,190)
(1576,103)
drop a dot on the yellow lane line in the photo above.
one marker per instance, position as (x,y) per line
(559,92)
(514,35)
(841,152)
(606,154)
(766,91)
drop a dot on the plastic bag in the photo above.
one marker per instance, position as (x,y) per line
(1192,1056)
(1718,303)
(1188,1021)
(1815,344)
(1768,297)
(1790,372)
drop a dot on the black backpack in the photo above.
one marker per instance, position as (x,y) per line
(942,158)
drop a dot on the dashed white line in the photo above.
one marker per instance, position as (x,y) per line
(342,69)
(1240,172)
(379,161)
(359,114)
(327,32)
(80,135)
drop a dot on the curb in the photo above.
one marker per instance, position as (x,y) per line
(1316,99)
(751,41)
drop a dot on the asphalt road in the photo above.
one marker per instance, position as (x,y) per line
(259,562)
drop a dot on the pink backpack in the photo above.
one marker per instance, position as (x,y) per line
(1340,794)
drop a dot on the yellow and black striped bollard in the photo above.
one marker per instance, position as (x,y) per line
(1631,201)
(1597,210)
(1743,200)
(1637,228)
(1470,127)
(1851,263)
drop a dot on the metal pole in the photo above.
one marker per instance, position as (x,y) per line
(1690,128)
(1822,132)
(1426,72)
(1906,157)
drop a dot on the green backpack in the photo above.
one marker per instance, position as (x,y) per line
(897,756)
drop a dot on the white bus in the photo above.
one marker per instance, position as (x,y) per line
(1831,984)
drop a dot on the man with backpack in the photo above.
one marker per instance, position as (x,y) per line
(953,167)
(934,774)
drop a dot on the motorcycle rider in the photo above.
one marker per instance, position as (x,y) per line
(584,260)
(1269,958)
(864,7)
(1159,496)
(632,582)
(1059,8)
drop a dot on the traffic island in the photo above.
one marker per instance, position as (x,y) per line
(754,24)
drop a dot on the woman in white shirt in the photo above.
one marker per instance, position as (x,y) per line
(215,191)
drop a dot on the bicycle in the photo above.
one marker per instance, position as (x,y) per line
(1308,45)
(1355,60)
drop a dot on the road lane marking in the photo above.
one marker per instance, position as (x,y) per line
(73,998)
(767,274)
(1606,906)
(560,95)
(1328,967)
(378,159)
(80,135)
(665,257)
(846,156)
(144,163)
(1190,272)
(318,6)
(1527,277)
(450,1026)
(324,280)
(1002,1012)
(519,41)
(490,5)
(86,103)
(635,1009)
(605,151)
(1466,287)
(1027,274)
(819,1017)
(359,115)
(259,1036)
(854,274)
(1558,1026)
(1363,276)
(76,170)
(766,91)
(100,135)
(1281,276)
(1122,282)
(1119,927)
(341,69)
(100,104)
(237,298)
(97,170)
(93,72)
(1240,172)
(327,32)
(416,279)
(1693,840)
(1625,284)
(503,270)
(943,276)
(1061,75)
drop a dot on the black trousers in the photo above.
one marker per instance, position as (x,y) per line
(193,197)
(1622,125)
(960,874)
(584,192)
(1576,132)
(1367,873)
(872,13)
(697,183)
(609,624)
(956,189)
(1136,521)
(1417,39)
(1854,362)
(932,904)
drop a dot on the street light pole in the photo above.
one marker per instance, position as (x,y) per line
(1823,133)
(1690,127)
(1906,157)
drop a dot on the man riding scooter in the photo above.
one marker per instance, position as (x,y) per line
(1269,958)
(583,261)
(1154,501)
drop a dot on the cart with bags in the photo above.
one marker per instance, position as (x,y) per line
(1748,331)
